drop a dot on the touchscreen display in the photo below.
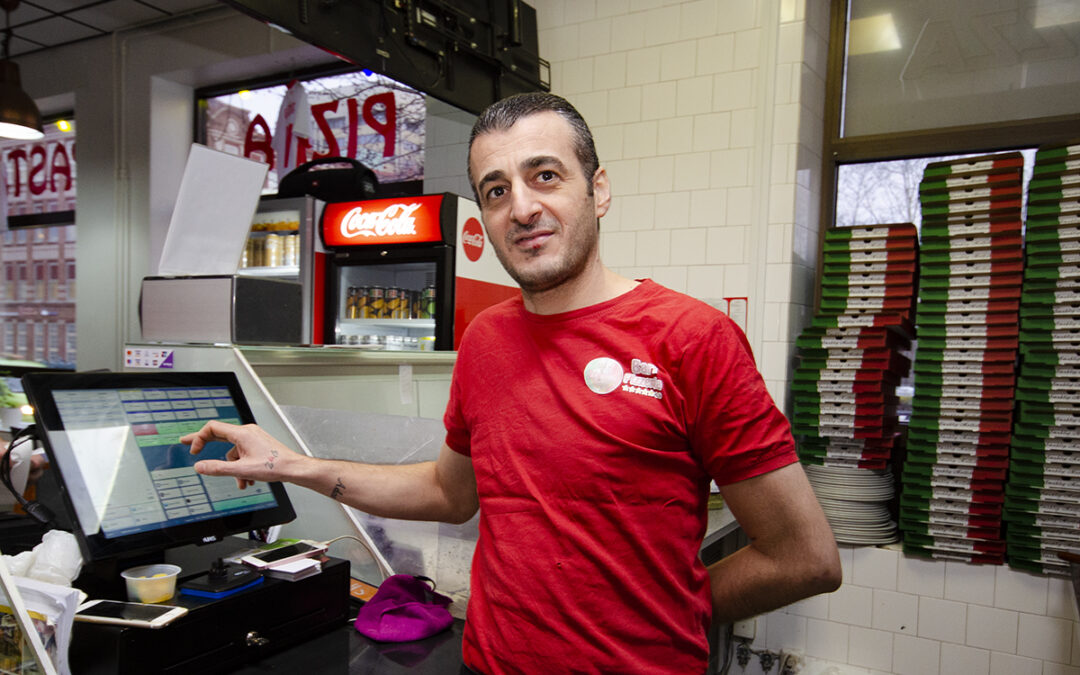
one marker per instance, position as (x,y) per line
(136,474)
(128,483)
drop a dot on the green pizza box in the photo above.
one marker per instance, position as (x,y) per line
(1046,258)
(1046,482)
(945,356)
(847,267)
(876,244)
(1057,153)
(1051,296)
(835,386)
(982,310)
(1028,392)
(849,257)
(1069,355)
(974,425)
(912,500)
(1005,190)
(943,331)
(1039,494)
(1040,311)
(928,368)
(969,181)
(991,267)
(968,342)
(889,231)
(930,379)
(1050,421)
(1017,504)
(1054,167)
(1056,208)
(1047,251)
(1062,194)
(844,305)
(973,547)
(905,293)
(957,256)
(1029,536)
(953,556)
(984,164)
(979,313)
(1050,232)
(1057,569)
(916,455)
(972,243)
(1047,338)
(1022,471)
(1049,273)
(895,282)
(938,530)
(958,210)
(860,319)
(1040,521)
(975,228)
(1038,430)
(804,408)
(1050,325)
(1023,443)
(966,281)
(922,472)
(966,520)
(888,400)
(961,407)
(1048,222)
(1070,457)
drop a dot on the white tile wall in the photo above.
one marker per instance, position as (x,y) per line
(991,628)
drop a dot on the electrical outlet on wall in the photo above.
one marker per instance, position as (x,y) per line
(744,629)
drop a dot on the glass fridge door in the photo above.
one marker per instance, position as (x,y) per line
(389,306)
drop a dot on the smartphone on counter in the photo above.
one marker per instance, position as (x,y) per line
(128,613)
(283,554)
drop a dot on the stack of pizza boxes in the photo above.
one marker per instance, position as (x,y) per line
(970,279)
(852,356)
(1042,498)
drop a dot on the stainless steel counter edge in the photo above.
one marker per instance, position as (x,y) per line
(321,356)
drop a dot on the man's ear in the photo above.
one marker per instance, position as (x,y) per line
(601,191)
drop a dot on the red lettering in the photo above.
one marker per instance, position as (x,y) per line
(387,129)
(354,122)
(60,168)
(37,164)
(16,174)
(303,146)
(318,111)
(253,145)
(288,145)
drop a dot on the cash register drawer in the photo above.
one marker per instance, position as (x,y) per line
(216,636)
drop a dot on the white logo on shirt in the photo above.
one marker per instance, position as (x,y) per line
(604,375)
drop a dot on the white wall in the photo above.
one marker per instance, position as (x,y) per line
(708,116)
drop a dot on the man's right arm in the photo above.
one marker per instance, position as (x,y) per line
(441,490)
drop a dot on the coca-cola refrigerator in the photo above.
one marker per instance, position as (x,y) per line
(404,273)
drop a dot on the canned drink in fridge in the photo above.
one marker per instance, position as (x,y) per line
(350,303)
(376,303)
(362,302)
(273,252)
(427,303)
(393,303)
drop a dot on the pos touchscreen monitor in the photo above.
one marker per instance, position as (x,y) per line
(128,483)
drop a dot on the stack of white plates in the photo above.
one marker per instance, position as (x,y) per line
(855,502)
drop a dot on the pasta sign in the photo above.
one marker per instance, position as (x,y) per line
(40,168)
(259,138)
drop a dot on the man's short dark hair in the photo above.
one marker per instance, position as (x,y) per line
(503,114)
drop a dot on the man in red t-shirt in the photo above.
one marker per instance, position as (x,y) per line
(586,419)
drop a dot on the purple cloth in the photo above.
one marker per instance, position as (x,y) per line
(404,608)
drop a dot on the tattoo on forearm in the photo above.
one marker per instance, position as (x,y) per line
(339,487)
(273,456)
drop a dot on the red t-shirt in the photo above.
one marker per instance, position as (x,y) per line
(593,436)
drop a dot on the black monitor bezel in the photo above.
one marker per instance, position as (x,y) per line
(39,388)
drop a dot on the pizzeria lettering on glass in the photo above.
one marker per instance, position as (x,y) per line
(40,176)
(258,138)
(398,220)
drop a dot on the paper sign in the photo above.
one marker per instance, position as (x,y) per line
(218,197)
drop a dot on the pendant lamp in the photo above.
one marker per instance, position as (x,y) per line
(19,115)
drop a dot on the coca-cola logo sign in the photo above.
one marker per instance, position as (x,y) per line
(383,221)
(472,239)
(395,219)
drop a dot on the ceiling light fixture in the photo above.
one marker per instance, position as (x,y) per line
(19,115)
